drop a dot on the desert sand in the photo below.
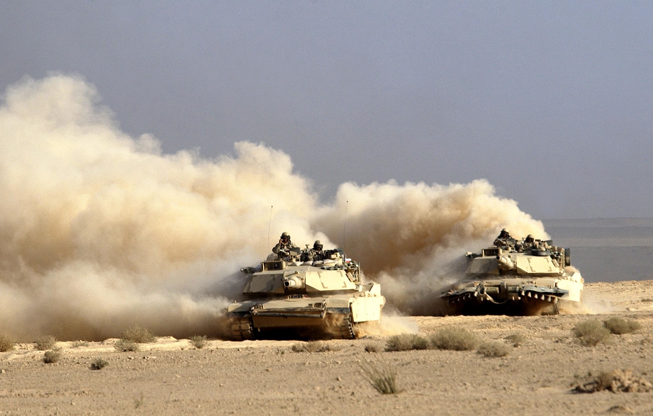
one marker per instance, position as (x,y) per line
(171,376)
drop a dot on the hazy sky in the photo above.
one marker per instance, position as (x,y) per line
(550,101)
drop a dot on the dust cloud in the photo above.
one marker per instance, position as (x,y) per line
(100,231)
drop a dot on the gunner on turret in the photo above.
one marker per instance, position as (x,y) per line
(285,248)
(504,240)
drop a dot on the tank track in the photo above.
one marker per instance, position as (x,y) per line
(531,304)
(242,329)
(346,328)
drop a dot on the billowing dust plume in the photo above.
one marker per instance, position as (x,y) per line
(100,231)
(411,238)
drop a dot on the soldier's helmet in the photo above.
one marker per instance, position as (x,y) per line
(504,233)
(529,238)
(317,245)
(285,235)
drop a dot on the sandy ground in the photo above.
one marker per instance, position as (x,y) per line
(268,378)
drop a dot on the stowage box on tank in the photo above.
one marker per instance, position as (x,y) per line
(517,279)
(313,299)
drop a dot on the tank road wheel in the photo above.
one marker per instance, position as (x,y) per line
(241,329)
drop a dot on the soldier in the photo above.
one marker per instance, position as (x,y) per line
(286,249)
(504,240)
(317,252)
(528,243)
(313,254)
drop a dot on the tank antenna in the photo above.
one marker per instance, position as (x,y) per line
(344,232)
(269,225)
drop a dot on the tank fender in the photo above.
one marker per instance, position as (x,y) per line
(367,308)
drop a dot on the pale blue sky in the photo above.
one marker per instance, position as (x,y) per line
(550,101)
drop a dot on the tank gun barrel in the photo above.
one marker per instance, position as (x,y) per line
(292,282)
(505,263)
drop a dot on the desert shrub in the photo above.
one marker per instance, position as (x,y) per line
(6,344)
(592,332)
(311,346)
(493,349)
(517,339)
(198,341)
(80,343)
(373,348)
(138,334)
(622,326)
(98,364)
(457,339)
(405,342)
(138,402)
(124,345)
(46,342)
(52,356)
(381,376)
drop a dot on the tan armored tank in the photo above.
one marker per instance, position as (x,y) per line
(310,299)
(518,278)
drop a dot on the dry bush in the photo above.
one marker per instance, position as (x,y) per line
(198,341)
(373,348)
(614,381)
(125,345)
(80,343)
(494,349)
(622,326)
(311,346)
(138,334)
(381,376)
(46,342)
(517,339)
(139,401)
(6,344)
(98,364)
(405,342)
(52,356)
(454,338)
(591,332)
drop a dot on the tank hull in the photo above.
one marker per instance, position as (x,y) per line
(305,317)
(511,296)
(510,282)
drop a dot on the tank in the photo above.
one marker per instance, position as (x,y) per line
(311,300)
(527,278)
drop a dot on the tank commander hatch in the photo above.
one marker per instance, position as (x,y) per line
(504,240)
(285,248)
